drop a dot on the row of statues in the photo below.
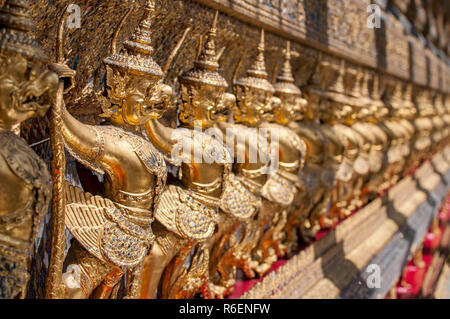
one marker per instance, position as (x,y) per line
(341,141)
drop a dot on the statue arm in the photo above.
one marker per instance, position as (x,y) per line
(161,136)
(85,142)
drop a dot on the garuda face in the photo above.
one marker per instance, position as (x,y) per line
(25,90)
(254,106)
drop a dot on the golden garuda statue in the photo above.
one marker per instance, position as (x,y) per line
(113,230)
(199,207)
(326,166)
(27,88)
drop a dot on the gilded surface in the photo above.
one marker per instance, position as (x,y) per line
(164,113)
(26,90)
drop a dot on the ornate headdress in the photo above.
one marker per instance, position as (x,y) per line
(257,76)
(16,37)
(206,66)
(285,81)
(136,57)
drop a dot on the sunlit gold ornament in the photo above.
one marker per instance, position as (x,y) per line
(380,140)
(442,134)
(338,110)
(26,90)
(405,119)
(292,149)
(313,201)
(237,204)
(369,158)
(253,175)
(227,249)
(399,135)
(254,93)
(255,102)
(54,288)
(191,210)
(317,177)
(334,109)
(114,233)
(423,124)
(240,200)
(378,116)
(413,119)
(438,122)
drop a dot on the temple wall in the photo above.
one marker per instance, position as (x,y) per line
(318,29)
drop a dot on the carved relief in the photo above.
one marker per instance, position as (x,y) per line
(173,212)
(27,88)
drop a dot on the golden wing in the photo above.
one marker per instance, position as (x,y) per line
(85,218)
(182,214)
